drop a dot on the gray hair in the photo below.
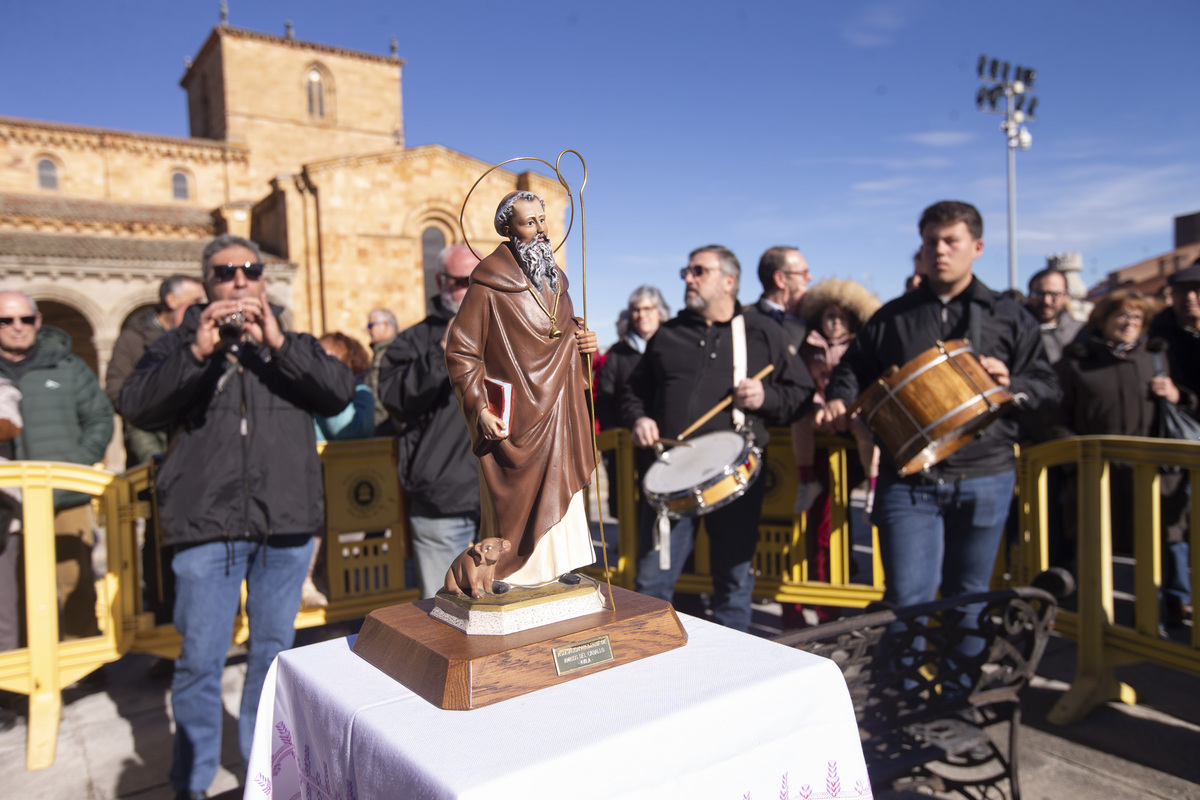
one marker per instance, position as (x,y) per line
(25,297)
(652,294)
(727,260)
(505,211)
(172,285)
(388,317)
(220,243)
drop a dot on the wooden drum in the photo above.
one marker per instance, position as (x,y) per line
(933,405)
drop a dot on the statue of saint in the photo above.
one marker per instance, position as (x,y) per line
(515,354)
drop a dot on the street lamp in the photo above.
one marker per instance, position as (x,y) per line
(996,83)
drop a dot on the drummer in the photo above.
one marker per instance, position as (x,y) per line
(941,528)
(688,368)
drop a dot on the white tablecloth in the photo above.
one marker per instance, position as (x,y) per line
(727,716)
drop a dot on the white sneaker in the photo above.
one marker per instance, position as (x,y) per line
(806,494)
(310,595)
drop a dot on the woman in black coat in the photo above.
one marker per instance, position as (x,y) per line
(1111,379)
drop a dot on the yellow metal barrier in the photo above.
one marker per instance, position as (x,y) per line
(781,563)
(45,665)
(1103,643)
(365,541)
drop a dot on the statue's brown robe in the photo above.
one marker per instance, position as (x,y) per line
(527,480)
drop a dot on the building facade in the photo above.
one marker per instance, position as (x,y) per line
(295,144)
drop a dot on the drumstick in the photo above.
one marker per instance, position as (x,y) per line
(674,442)
(712,412)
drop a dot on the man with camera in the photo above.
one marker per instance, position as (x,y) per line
(239,491)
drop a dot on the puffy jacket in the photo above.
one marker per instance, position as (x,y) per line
(242,461)
(997,327)
(67,416)
(439,472)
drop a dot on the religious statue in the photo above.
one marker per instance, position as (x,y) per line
(515,354)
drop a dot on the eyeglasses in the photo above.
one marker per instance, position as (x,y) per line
(1047,295)
(696,271)
(806,274)
(455,282)
(374,324)
(6,321)
(1127,317)
(226,272)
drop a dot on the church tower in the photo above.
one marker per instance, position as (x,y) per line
(291,102)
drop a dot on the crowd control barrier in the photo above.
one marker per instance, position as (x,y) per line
(365,544)
(1105,641)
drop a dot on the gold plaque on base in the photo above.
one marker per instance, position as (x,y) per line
(459,672)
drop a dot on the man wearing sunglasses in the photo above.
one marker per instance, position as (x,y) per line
(439,473)
(239,491)
(689,367)
(67,418)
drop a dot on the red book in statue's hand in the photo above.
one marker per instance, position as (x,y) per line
(499,395)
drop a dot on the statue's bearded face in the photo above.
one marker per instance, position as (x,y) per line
(527,229)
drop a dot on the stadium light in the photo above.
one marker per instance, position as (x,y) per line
(996,84)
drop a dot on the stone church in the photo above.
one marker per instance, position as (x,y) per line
(297,145)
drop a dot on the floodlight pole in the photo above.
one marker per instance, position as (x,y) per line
(1015,134)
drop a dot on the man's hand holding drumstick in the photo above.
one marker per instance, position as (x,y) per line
(748,395)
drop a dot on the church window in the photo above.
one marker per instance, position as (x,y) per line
(47,174)
(180,189)
(433,241)
(316,94)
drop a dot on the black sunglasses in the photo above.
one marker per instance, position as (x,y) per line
(461,282)
(6,321)
(226,272)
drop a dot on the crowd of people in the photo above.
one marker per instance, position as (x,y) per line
(214,385)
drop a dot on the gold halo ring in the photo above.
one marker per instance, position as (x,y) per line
(462,212)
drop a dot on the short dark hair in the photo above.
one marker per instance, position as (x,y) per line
(220,243)
(948,212)
(771,262)
(172,285)
(1045,273)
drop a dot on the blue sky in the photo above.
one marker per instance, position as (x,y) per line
(827,126)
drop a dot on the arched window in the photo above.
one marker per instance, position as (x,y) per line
(47,174)
(180,189)
(316,93)
(433,240)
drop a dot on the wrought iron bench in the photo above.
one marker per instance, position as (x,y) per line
(927,682)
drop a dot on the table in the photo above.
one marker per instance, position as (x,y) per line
(727,716)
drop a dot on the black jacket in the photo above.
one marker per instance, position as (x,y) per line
(1183,350)
(1109,393)
(688,368)
(619,364)
(794,329)
(243,462)
(997,327)
(437,469)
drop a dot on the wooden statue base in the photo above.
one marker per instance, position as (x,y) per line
(455,671)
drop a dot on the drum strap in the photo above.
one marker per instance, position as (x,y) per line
(738,328)
(662,540)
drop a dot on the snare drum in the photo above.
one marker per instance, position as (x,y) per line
(933,405)
(710,471)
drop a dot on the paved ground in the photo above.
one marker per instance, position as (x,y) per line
(114,741)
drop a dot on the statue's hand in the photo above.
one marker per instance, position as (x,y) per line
(492,426)
(586,341)
(475,568)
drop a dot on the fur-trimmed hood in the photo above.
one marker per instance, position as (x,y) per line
(857,299)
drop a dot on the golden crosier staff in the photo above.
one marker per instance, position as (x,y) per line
(583,277)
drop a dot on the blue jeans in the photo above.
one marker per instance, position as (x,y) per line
(208,579)
(437,541)
(732,538)
(939,535)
